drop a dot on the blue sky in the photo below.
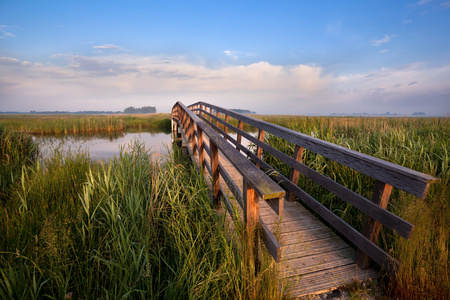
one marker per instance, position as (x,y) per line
(274,57)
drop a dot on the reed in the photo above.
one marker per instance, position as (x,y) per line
(63,124)
(136,228)
(418,143)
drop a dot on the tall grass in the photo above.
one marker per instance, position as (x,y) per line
(63,124)
(16,150)
(421,144)
(132,228)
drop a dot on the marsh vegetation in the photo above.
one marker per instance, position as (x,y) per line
(74,228)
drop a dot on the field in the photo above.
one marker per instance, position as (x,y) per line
(64,124)
(76,229)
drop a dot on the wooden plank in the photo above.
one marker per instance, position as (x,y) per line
(298,250)
(318,262)
(323,281)
(231,185)
(411,181)
(272,244)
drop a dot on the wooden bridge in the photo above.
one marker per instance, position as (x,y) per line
(311,257)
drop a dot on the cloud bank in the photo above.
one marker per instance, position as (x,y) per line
(113,82)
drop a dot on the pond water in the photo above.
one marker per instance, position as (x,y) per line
(104,146)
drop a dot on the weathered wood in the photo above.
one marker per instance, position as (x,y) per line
(215,174)
(321,282)
(231,185)
(259,150)
(201,152)
(239,136)
(293,177)
(271,242)
(264,187)
(410,181)
(319,262)
(372,210)
(380,196)
(217,116)
(227,120)
(251,206)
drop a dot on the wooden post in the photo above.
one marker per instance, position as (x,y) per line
(239,136)
(259,150)
(194,142)
(293,177)
(227,119)
(215,173)
(380,196)
(251,217)
(211,112)
(201,145)
(217,115)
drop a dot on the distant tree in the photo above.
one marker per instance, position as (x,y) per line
(130,110)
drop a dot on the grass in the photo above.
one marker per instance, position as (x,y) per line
(134,228)
(421,144)
(64,124)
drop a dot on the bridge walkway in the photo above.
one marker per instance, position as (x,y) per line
(314,259)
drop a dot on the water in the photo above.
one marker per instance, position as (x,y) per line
(104,146)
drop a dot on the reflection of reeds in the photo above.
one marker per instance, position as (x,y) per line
(420,144)
(134,228)
(73,124)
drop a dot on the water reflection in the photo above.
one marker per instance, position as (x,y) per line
(105,145)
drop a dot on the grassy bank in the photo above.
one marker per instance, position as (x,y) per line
(133,228)
(63,124)
(421,144)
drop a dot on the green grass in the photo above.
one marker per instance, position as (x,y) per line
(64,124)
(132,228)
(421,144)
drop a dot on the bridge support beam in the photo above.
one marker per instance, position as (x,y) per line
(251,218)
(371,230)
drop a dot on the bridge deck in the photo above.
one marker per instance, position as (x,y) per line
(314,259)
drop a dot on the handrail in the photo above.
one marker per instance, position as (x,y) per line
(387,175)
(255,182)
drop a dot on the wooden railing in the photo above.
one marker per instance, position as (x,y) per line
(256,184)
(387,175)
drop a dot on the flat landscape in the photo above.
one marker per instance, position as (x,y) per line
(76,228)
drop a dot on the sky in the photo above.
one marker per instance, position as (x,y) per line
(272,57)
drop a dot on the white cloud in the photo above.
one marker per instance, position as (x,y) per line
(114,82)
(232,54)
(9,61)
(108,47)
(422,2)
(382,41)
(4,33)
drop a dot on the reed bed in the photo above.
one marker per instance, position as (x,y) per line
(133,228)
(421,144)
(64,124)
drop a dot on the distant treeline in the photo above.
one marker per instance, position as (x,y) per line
(84,112)
(129,110)
(142,110)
